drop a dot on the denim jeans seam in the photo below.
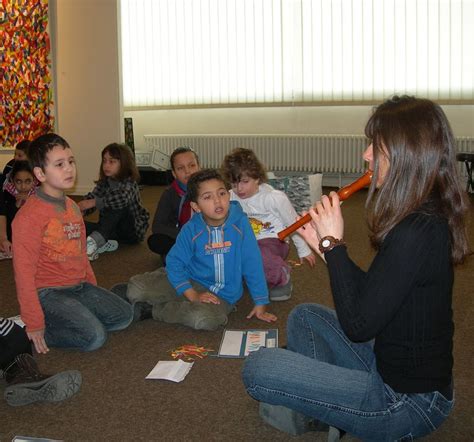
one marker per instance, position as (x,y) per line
(434,404)
(342,336)
(394,397)
(351,411)
(310,332)
(416,408)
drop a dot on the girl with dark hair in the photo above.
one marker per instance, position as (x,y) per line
(21,154)
(122,216)
(380,366)
(21,185)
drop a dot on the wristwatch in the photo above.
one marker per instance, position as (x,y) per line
(328,243)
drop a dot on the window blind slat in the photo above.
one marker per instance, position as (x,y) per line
(212,52)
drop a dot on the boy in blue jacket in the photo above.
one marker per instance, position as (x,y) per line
(214,251)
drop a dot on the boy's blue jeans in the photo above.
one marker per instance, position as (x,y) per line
(80,316)
(326,376)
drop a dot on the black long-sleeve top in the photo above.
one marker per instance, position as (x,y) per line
(403,302)
(165,220)
(8,209)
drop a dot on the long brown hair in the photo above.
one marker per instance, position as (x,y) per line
(123,153)
(422,175)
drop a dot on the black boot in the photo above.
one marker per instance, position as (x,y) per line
(141,310)
(26,384)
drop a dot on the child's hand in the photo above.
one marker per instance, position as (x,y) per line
(37,337)
(209,298)
(86,204)
(21,196)
(6,247)
(310,258)
(20,199)
(206,297)
(260,312)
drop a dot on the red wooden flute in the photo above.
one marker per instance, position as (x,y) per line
(343,193)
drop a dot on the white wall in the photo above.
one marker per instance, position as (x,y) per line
(273,120)
(84,41)
(87,81)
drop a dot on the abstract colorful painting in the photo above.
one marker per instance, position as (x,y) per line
(26,105)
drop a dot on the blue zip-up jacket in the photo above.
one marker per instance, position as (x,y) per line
(218,258)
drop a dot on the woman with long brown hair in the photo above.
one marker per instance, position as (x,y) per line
(380,366)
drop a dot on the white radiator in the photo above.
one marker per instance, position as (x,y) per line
(289,153)
(341,154)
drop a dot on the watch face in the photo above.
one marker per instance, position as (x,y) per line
(326,243)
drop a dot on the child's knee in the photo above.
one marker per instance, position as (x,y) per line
(147,287)
(96,338)
(207,321)
(296,315)
(257,365)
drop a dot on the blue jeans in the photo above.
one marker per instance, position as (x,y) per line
(326,376)
(80,316)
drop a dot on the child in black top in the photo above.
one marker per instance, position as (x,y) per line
(21,154)
(21,180)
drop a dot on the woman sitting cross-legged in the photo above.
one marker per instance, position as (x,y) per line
(379,367)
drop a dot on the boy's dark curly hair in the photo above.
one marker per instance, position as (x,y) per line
(200,177)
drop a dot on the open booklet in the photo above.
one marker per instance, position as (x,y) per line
(239,343)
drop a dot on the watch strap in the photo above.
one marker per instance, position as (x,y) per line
(333,242)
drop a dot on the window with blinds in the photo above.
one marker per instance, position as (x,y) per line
(261,52)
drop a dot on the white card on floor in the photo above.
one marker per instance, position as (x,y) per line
(174,371)
(231,343)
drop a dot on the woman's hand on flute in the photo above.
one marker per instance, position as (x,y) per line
(327,217)
(326,220)
(310,235)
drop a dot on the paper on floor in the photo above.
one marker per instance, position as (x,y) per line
(174,371)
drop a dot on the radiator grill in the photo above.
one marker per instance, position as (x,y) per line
(287,153)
